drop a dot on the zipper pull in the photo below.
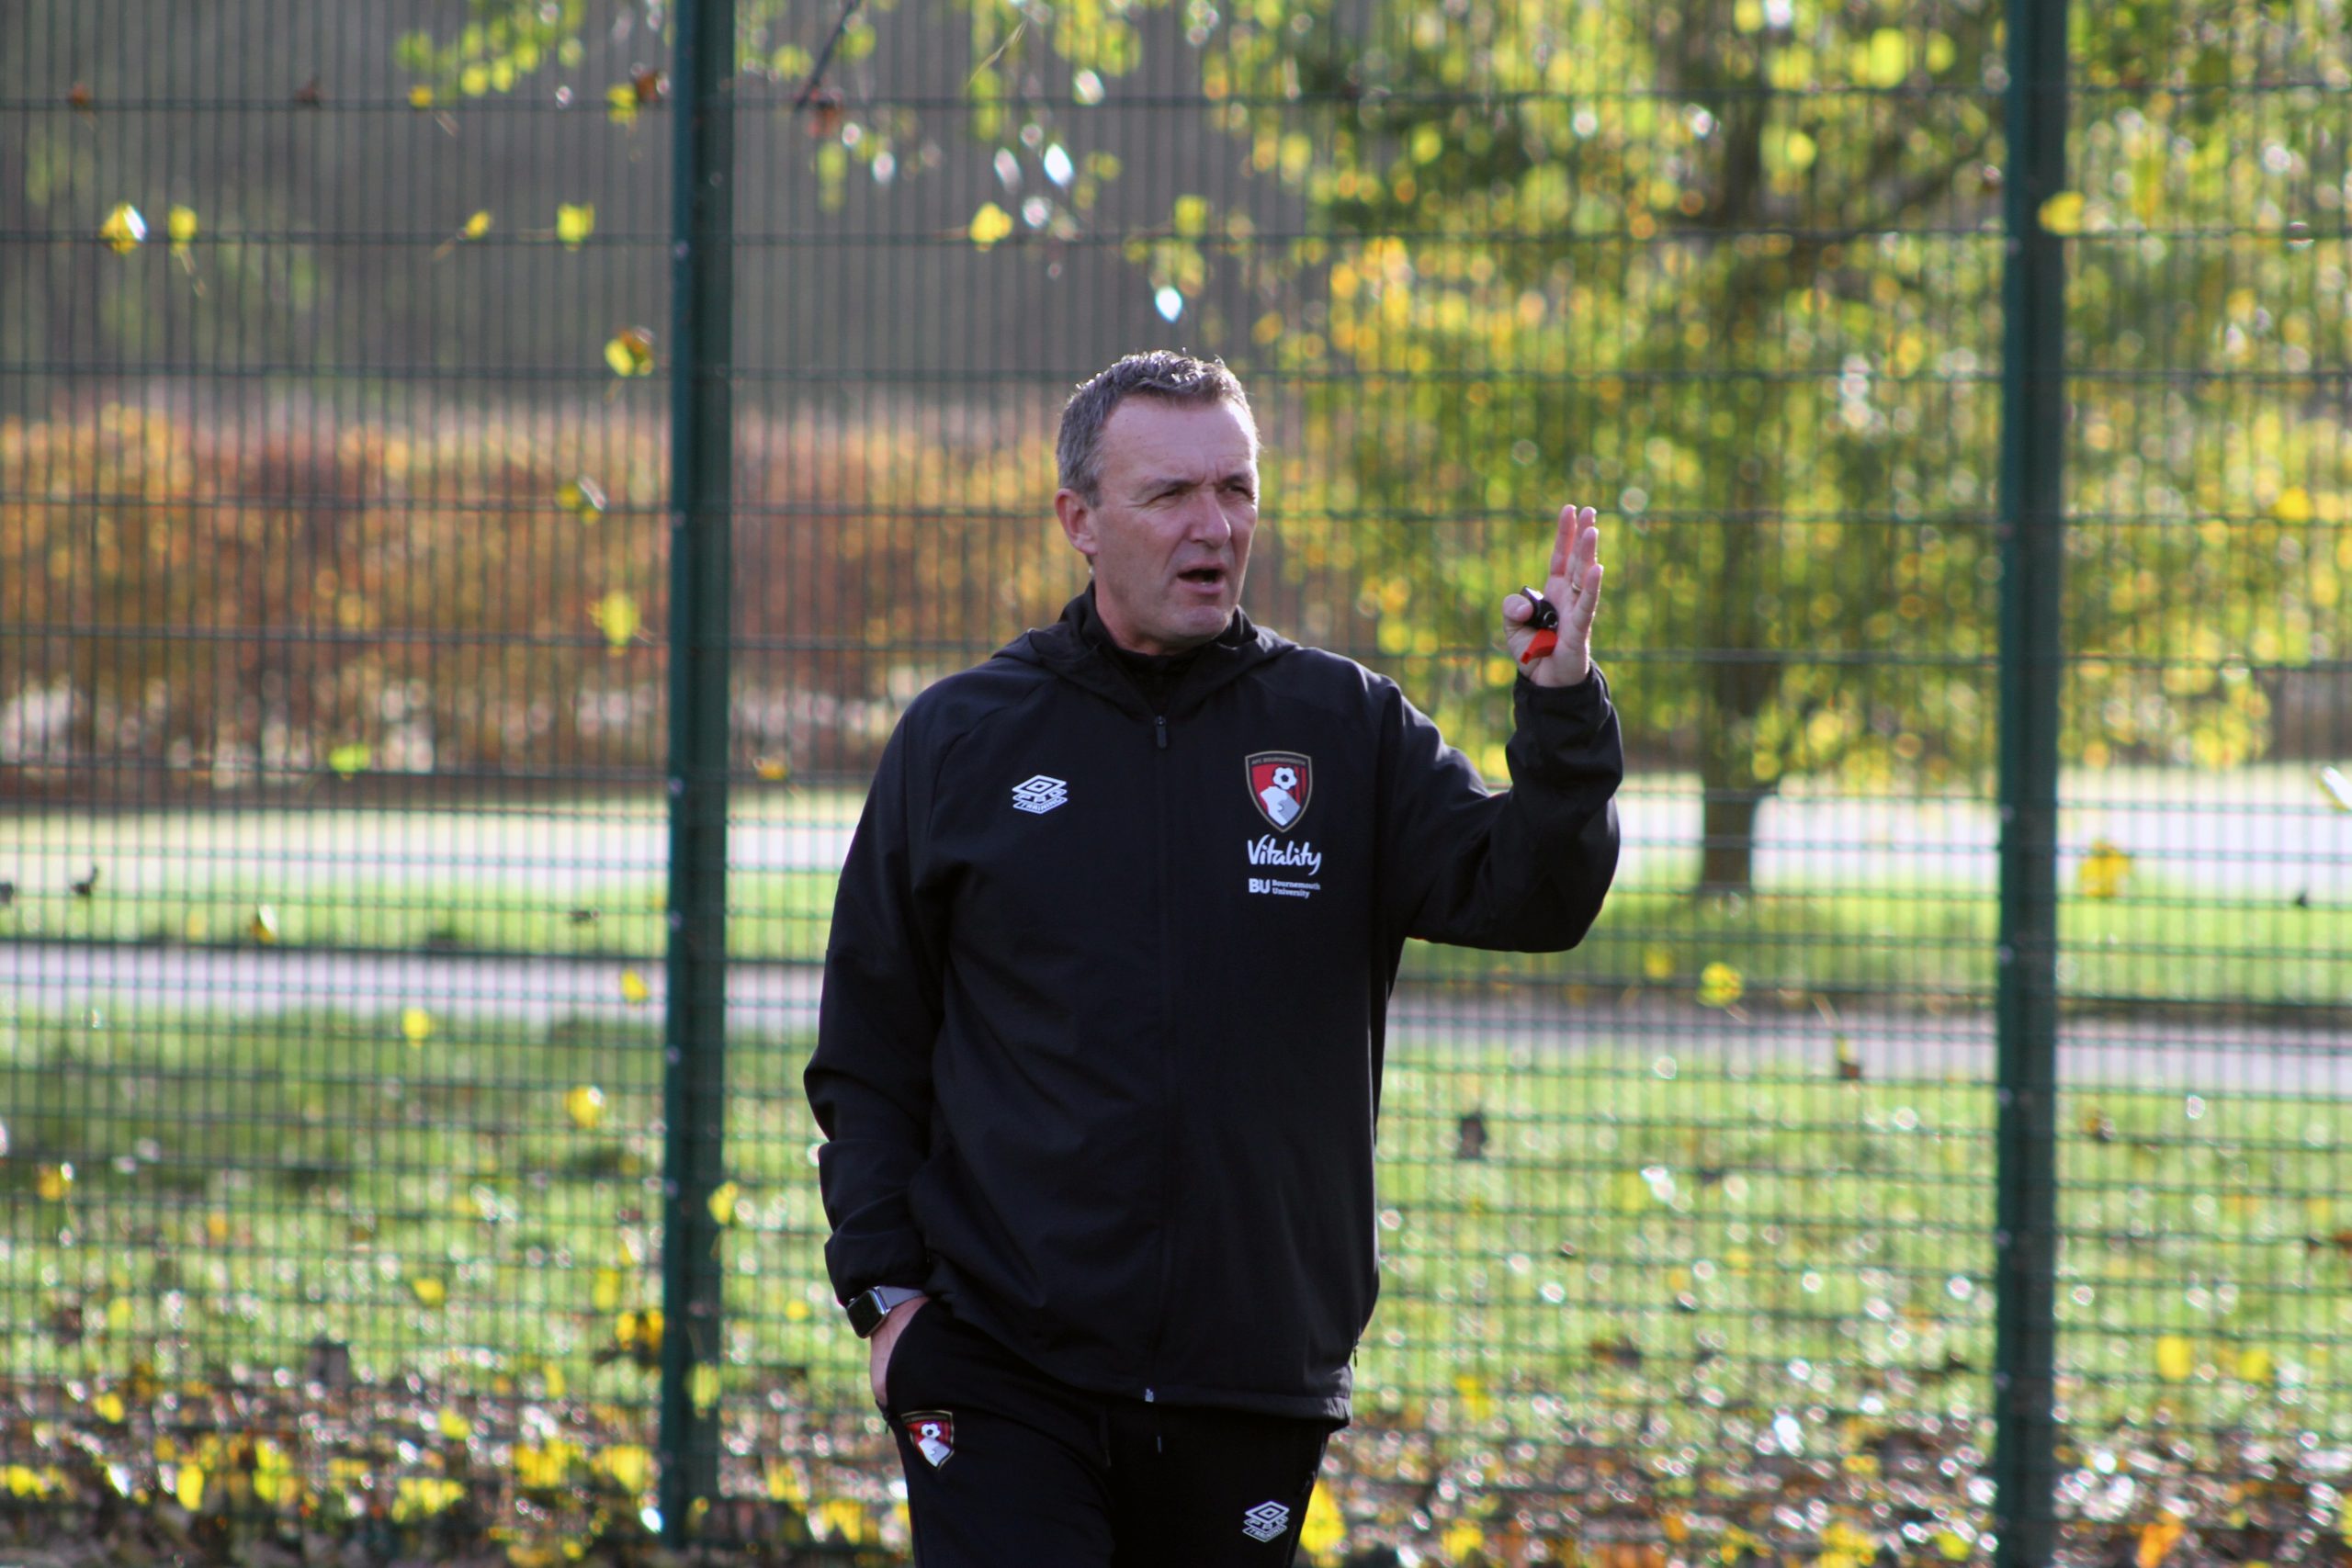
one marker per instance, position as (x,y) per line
(1159,725)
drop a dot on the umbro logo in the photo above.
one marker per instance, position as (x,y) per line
(1039,795)
(1265,1521)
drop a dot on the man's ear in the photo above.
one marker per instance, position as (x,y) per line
(1077,519)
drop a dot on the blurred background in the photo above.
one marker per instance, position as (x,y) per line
(338,382)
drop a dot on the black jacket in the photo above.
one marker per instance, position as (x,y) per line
(1098,1055)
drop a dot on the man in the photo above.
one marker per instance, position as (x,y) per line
(1099,1056)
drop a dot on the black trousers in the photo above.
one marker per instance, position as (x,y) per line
(1008,1468)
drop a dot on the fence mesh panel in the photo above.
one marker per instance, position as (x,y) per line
(334,633)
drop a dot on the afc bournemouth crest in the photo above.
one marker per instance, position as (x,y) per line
(933,1432)
(1280,784)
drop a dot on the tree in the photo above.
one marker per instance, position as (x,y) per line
(1730,269)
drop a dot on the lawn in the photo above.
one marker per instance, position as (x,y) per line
(1673,1308)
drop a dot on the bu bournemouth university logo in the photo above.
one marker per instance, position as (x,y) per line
(1280,784)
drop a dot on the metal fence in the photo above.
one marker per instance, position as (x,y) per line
(479,480)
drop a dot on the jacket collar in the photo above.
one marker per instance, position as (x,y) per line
(1065,648)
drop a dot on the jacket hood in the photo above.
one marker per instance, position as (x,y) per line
(1066,649)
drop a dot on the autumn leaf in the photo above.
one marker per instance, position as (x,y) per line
(1720,985)
(2156,1540)
(420,96)
(1658,963)
(180,224)
(2063,213)
(2338,788)
(620,103)
(2103,870)
(124,229)
(2175,1358)
(416,1025)
(988,225)
(264,925)
(428,1290)
(723,1198)
(630,352)
(634,990)
(583,497)
(585,1105)
(771,769)
(574,224)
(349,759)
(617,616)
(53,1182)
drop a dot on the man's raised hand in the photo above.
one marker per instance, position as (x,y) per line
(1573,587)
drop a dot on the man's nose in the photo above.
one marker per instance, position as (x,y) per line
(1209,519)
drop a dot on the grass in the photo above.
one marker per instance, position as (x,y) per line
(1607,1273)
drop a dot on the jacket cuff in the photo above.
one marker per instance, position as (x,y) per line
(1584,705)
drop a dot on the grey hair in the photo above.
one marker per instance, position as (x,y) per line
(1159,373)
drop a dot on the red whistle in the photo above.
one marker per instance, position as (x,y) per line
(1545,617)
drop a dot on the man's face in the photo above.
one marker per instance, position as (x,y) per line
(1169,538)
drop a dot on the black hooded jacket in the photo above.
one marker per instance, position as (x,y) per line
(1098,1055)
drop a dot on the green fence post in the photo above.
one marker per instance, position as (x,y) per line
(2032,638)
(702,220)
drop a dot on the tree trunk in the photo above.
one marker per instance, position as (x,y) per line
(1727,838)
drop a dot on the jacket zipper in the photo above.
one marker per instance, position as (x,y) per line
(1167,1072)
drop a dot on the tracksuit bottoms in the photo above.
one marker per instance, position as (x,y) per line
(1008,1468)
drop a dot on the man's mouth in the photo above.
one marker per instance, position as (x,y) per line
(1204,575)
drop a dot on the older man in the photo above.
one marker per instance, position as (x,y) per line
(1100,1052)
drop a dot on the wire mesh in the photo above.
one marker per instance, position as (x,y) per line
(333,661)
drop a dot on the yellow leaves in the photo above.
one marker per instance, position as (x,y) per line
(2103,872)
(573,224)
(421,1497)
(263,926)
(629,352)
(723,1200)
(428,1289)
(617,616)
(630,1466)
(180,225)
(774,770)
(2256,1365)
(605,1291)
(476,226)
(584,1103)
(187,1487)
(453,1424)
(583,497)
(546,1467)
(1462,1538)
(1324,1529)
(1720,986)
(1887,58)
(1475,1401)
(348,758)
(2157,1538)
(639,1333)
(53,1182)
(634,990)
(416,1025)
(2293,505)
(988,225)
(702,1386)
(2063,213)
(2175,1358)
(109,1408)
(124,229)
(420,96)
(1657,962)
(623,99)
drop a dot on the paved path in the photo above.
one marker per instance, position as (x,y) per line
(2193,1054)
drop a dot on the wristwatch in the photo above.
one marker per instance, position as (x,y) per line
(868,1308)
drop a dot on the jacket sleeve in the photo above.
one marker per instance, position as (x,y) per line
(869,1080)
(1526,870)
